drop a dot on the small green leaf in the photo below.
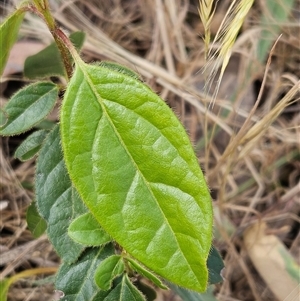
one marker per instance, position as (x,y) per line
(57,200)
(28,107)
(76,281)
(9,33)
(108,270)
(215,265)
(35,222)
(123,291)
(4,286)
(134,167)
(187,295)
(86,230)
(31,145)
(48,62)
(144,272)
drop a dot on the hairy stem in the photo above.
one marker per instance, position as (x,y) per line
(42,8)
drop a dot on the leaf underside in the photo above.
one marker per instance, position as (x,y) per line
(134,167)
(35,222)
(76,281)
(57,200)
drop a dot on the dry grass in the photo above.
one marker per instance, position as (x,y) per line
(248,143)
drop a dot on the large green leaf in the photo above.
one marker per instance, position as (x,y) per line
(76,281)
(28,107)
(134,167)
(57,200)
(8,33)
(86,230)
(48,62)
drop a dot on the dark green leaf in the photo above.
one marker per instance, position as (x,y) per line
(9,33)
(57,200)
(134,167)
(146,290)
(144,272)
(108,270)
(31,145)
(187,295)
(76,281)
(124,291)
(46,124)
(215,265)
(35,222)
(48,62)
(86,230)
(28,107)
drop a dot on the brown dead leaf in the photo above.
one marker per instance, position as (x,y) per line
(273,262)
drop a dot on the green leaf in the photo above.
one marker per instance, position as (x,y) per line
(46,124)
(35,222)
(215,265)
(86,230)
(9,33)
(48,62)
(28,107)
(124,291)
(271,23)
(57,200)
(187,295)
(31,145)
(119,68)
(141,270)
(146,290)
(4,286)
(108,270)
(134,167)
(76,281)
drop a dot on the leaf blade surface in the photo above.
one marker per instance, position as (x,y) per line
(76,281)
(57,200)
(133,165)
(9,33)
(28,107)
(86,230)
